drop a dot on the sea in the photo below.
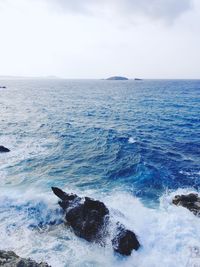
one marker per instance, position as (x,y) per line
(132,144)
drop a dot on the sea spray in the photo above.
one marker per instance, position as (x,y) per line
(33,226)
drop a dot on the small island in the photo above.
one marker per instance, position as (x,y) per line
(138,79)
(117,78)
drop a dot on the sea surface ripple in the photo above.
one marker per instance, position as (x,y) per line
(132,144)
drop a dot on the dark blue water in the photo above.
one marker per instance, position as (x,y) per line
(141,138)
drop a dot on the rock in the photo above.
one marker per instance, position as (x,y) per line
(125,241)
(10,259)
(190,201)
(85,216)
(3,149)
(117,78)
(89,219)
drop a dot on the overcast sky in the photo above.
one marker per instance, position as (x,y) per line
(100,38)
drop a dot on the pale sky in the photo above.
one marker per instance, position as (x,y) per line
(100,38)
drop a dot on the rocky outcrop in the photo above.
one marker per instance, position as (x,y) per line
(125,241)
(4,149)
(89,219)
(190,201)
(10,259)
(86,216)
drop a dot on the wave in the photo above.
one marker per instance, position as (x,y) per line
(131,140)
(32,226)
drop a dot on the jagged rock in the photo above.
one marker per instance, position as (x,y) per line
(125,241)
(4,149)
(90,220)
(86,216)
(10,259)
(190,201)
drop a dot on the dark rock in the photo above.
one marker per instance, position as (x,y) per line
(3,149)
(190,201)
(117,78)
(125,241)
(86,216)
(68,200)
(62,195)
(10,259)
(89,219)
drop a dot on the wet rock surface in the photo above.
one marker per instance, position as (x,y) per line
(125,241)
(10,259)
(89,219)
(4,149)
(190,201)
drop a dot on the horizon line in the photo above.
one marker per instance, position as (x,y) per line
(54,77)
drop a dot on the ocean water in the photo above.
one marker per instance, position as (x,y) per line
(133,145)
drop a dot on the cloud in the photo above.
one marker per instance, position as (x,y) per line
(167,10)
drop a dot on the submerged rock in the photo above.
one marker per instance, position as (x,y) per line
(10,259)
(89,219)
(190,201)
(125,241)
(4,149)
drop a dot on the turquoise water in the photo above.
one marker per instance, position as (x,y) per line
(132,144)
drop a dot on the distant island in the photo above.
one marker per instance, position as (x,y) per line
(117,78)
(138,79)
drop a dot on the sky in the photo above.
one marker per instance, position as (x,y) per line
(100,38)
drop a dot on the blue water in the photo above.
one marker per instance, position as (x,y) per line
(132,144)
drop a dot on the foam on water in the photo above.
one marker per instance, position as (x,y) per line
(31,225)
(131,140)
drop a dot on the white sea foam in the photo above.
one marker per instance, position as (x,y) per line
(131,140)
(25,148)
(166,234)
(190,173)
